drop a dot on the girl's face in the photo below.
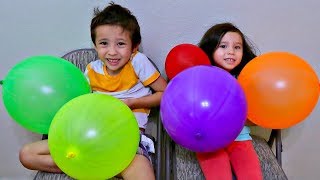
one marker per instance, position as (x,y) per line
(229,52)
(114,47)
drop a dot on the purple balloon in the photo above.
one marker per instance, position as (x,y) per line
(203,108)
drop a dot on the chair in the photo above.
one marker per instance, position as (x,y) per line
(82,57)
(181,163)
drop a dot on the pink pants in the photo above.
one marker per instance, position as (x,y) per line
(239,157)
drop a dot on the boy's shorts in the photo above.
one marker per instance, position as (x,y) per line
(146,147)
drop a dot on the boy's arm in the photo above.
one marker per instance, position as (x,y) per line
(152,100)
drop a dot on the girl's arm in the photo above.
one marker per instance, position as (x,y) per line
(151,100)
(249,123)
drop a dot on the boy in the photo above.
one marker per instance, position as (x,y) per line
(122,72)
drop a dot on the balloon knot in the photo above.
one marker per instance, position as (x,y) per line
(71,155)
(198,136)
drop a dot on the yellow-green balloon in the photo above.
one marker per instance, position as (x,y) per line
(93,136)
(35,89)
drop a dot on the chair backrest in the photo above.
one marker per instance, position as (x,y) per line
(81,57)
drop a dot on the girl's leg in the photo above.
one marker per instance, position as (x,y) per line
(244,161)
(215,165)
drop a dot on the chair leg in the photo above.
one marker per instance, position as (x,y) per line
(276,136)
(278,146)
(168,157)
(159,149)
(272,137)
(173,160)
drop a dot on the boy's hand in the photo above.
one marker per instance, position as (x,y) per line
(128,102)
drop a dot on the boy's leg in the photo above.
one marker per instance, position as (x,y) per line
(245,161)
(140,168)
(141,165)
(36,156)
(215,165)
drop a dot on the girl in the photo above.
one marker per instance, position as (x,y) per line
(227,48)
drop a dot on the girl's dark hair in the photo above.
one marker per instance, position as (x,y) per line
(211,40)
(117,15)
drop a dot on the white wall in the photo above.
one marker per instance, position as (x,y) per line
(56,26)
(29,28)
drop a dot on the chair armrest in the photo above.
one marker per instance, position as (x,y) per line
(55,176)
(271,169)
(51,176)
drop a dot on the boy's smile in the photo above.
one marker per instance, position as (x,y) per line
(114,47)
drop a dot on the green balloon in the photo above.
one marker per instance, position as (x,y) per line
(35,89)
(93,136)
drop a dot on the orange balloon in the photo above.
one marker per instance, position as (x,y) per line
(281,89)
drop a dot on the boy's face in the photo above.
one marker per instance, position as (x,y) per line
(114,47)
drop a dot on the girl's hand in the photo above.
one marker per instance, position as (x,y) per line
(249,123)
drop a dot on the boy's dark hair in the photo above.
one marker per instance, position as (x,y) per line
(211,40)
(116,15)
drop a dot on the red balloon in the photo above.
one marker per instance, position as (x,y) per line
(184,56)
